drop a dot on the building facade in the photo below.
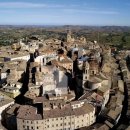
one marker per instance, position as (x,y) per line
(69,117)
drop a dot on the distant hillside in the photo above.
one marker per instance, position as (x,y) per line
(113,35)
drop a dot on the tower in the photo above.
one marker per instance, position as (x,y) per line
(85,74)
(69,38)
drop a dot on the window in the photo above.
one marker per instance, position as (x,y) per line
(93,72)
(37,127)
(61,124)
(48,126)
(56,124)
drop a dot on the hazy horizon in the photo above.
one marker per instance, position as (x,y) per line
(64,25)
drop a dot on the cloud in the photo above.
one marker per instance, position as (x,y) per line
(26,5)
(40,16)
(91,11)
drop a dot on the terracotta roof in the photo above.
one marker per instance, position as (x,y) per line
(28,113)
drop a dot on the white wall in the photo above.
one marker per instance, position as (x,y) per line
(27,57)
(61,79)
(3,75)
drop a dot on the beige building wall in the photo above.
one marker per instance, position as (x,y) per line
(60,123)
(84,120)
(30,124)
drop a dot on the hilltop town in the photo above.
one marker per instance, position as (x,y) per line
(72,84)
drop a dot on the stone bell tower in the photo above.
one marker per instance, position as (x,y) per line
(85,74)
(69,37)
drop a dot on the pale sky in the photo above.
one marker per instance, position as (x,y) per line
(65,12)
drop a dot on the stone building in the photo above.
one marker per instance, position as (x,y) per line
(70,39)
(64,62)
(55,81)
(55,116)
(12,76)
(5,102)
(12,89)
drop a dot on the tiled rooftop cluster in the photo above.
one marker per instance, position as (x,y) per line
(61,84)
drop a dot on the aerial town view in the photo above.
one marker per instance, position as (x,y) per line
(64,65)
